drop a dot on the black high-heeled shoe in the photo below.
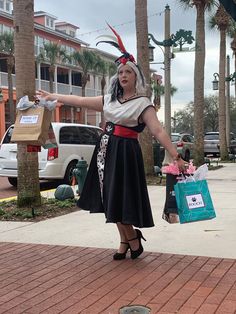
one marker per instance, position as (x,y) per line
(119,256)
(139,251)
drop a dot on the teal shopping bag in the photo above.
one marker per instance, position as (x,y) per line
(194,201)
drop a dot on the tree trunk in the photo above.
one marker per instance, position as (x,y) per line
(28,176)
(51,78)
(10,65)
(222,100)
(199,86)
(143,61)
(51,87)
(235,72)
(83,110)
(233,47)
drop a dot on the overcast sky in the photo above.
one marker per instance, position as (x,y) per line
(91,16)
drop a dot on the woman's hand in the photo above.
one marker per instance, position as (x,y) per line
(182,164)
(44,94)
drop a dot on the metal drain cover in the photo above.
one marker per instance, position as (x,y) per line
(134,309)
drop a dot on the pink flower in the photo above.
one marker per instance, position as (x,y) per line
(174,169)
(171,169)
(191,168)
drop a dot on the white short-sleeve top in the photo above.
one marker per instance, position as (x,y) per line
(125,113)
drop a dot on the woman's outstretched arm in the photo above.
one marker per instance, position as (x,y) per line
(94,103)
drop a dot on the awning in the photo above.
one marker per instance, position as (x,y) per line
(230,7)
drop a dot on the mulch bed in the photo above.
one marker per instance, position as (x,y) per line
(50,208)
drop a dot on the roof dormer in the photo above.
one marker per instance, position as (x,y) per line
(66,28)
(45,19)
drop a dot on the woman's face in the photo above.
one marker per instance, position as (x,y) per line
(127,77)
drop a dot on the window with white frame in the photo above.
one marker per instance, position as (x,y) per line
(49,22)
(8,6)
(72,33)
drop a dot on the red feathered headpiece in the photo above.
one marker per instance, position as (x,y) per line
(117,42)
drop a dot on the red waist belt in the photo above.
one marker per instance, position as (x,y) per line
(125,132)
(119,130)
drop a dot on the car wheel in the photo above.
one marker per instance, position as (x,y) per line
(187,156)
(12,181)
(69,172)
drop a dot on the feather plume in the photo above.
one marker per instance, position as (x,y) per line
(120,43)
(110,37)
(114,44)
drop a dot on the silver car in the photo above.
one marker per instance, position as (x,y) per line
(212,144)
(184,143)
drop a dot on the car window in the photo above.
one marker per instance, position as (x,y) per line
(185,138)
(7,138)
(211,137)
(79,135)
(189,138)
(98,132)
(175,138)
(88,136)
(68,135)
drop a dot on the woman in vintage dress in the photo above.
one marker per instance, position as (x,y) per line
(115,184)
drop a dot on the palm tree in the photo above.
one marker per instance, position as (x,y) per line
(86,60)
(232,34)
(112,68)
(7,49)
(104,68)
(28,176)
(221,21)
(143,59)
(158,90)
(201,6)
(101,67)
(53,54)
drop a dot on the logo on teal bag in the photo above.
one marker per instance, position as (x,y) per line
(195,201)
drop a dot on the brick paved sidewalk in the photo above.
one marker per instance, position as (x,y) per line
(64,279)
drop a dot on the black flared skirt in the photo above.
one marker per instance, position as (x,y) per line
(123,196)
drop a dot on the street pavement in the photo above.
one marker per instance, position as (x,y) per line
(212,238)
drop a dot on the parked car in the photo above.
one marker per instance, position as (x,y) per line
(75,141)
(184,143)
(212,144)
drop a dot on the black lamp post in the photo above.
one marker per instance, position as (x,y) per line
(215,82)
(215,86)
(151,51)
(179,39)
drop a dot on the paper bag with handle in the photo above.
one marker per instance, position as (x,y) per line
(32,125)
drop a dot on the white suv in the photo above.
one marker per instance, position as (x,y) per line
(75,141)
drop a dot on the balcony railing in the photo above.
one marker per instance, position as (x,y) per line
(61,88)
